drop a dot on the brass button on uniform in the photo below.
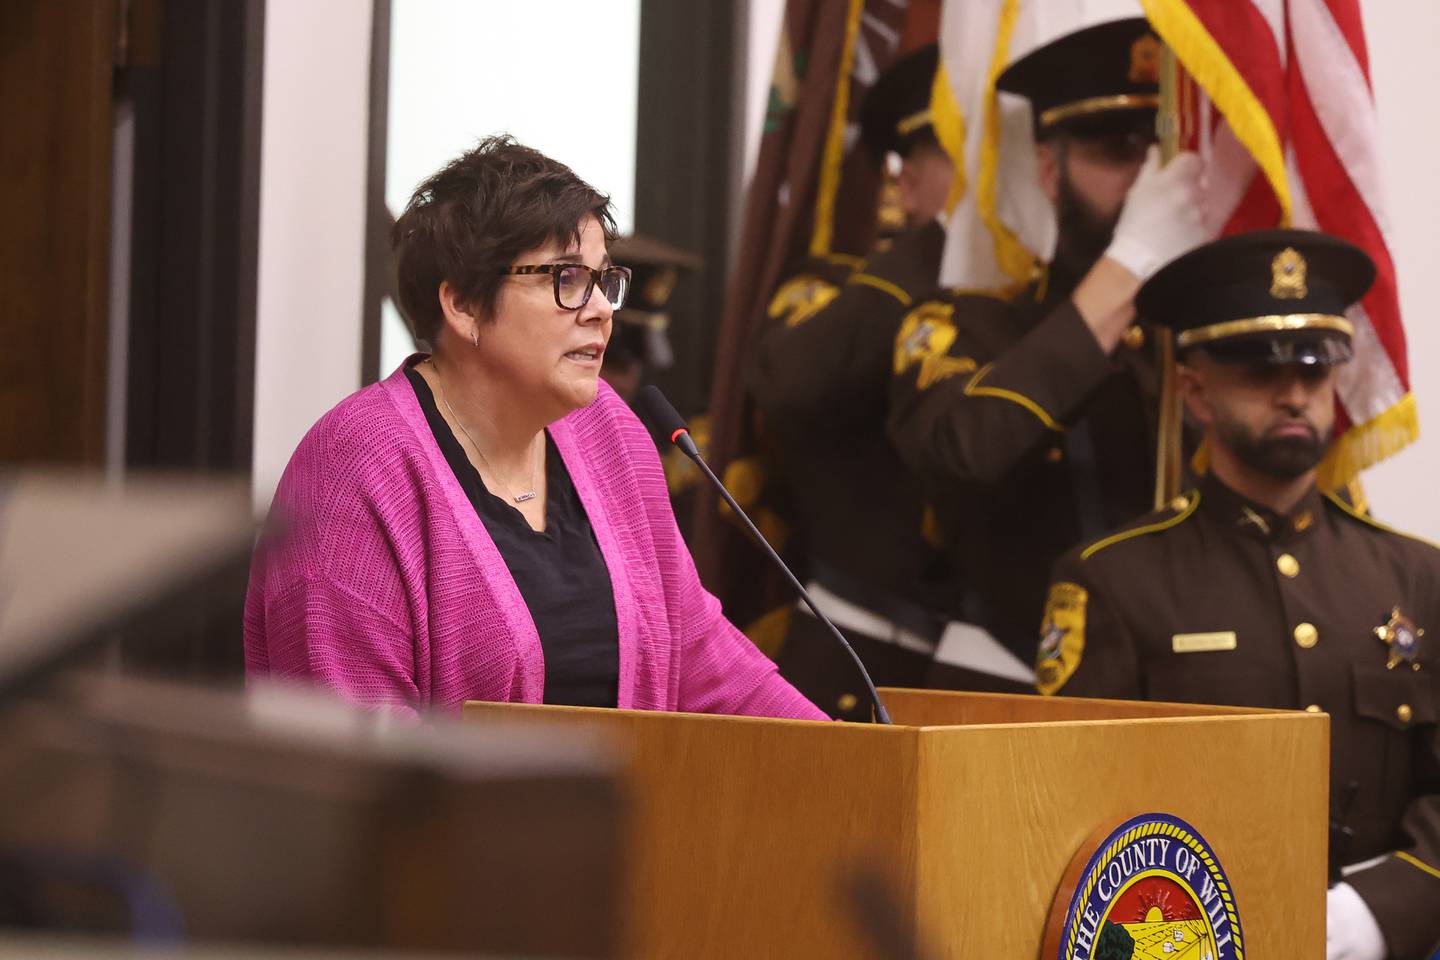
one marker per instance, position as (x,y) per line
(1054,455)
(1179,503)
(1287,565)
(1306,635)
(1135,337)
(847,702)
(1313,708)
(1404,713)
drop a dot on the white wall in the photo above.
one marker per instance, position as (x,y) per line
(461,70)
(560,75)
(1405,71)
(312,222)
(458,70)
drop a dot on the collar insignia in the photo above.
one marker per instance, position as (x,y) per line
(1402,640)
(1287,275)
(1249,516)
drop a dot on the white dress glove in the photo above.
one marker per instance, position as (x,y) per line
(1351,932)
(1161,218)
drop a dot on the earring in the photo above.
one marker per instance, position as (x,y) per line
(475,338)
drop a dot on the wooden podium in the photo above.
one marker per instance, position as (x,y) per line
(970,808)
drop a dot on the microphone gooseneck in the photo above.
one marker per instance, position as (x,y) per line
(663,417)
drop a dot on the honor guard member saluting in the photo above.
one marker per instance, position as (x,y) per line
(1029,420)
(820,374)
(1255,589)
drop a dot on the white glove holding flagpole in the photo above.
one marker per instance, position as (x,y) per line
(1161,218)
(1351,932)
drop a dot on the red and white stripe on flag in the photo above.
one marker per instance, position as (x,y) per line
(1288,127)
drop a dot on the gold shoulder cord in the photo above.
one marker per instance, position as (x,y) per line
(1370,521)
(883,285)
(1186,505)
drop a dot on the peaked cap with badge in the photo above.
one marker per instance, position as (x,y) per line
(895,114)
(1100,80)
(641,334)
(1270,296)
(1219,599)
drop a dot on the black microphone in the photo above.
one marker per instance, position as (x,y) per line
(662,416)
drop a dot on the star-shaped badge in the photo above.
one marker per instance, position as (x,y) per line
(1402,639)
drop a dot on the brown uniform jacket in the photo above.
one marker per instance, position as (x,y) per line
(1026,436)
(1218,600)
(820,376)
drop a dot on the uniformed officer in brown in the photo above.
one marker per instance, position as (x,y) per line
(639,345)
(1256,589)
(819,373)
(1030,421)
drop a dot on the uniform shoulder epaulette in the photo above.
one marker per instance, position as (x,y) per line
(880,283)
(845,261)
(1179,510)
(905,269)
(1369,521)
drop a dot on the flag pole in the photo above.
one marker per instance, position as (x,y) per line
(1167,445)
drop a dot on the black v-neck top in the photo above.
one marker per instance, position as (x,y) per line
(560,573)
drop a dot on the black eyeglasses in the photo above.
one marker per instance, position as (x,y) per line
(575,281)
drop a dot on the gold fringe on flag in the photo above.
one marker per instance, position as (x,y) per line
(949,122)
(1010,253)
(1366,444)
(834,158)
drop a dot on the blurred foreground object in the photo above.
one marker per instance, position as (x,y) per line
(166,813)
(82,559)
(72,948)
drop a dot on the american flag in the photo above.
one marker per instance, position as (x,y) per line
(1280,104)
(1274,94)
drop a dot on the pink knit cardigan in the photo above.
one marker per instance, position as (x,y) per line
(382,583)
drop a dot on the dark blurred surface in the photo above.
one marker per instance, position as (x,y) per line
(172,814)
(84,561)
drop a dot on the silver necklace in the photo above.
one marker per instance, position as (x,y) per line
(518,498)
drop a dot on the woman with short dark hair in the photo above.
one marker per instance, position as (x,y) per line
(491,522)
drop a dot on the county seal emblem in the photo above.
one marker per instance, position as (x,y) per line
(1152,889)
